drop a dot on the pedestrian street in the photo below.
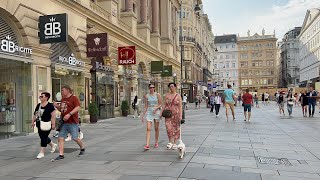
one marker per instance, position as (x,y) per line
(270,147)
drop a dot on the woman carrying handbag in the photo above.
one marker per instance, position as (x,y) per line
(44,119)
(173,115)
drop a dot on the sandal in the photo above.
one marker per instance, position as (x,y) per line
(174,147)
(156,145)
(146,147)
(169,145)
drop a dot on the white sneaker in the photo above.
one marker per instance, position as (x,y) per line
(68,138)
(81,135)
(53,148)
(40,155)
(56,134)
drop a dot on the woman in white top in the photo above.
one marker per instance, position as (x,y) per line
(217,103)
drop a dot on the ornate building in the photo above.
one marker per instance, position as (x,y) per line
(257,61)
(310,48)
(289,59)
(197,49)
(226,62)
(37,69)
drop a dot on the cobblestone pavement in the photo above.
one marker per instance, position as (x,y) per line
(269,148)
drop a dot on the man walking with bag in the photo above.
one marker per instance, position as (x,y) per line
(69,108)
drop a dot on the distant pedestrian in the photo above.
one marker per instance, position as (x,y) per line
(312,94)
(281,103)
(229,101)
(290,103)
(69,107)
(217,103)
(304,103)
(247,104)
(173,103)
(296,102)
(239,99)
(135,106)
(211,102)
(256,100)
(262,99)
(152,113)
(266,98)
(196,101)
(185,101)
(45,112)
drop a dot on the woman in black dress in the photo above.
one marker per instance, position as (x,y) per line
(46,111)
(304,103)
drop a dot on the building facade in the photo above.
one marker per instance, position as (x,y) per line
(310,48)
(257,61)
(290,63)
(31,68)
(196,40)
(226,62)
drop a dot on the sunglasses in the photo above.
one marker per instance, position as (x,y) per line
(171,86)
(40,97)
(151,87)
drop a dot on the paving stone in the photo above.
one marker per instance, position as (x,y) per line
(203,173)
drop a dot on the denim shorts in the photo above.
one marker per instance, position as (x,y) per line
(66,128)
(247,107)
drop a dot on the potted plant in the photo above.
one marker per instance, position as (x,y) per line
(93,112)
(125,108)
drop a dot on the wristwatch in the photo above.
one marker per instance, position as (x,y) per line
(70,114)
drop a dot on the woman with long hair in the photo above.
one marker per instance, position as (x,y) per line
(173,102)
(153,103)
(45,112)
(304,103)
(290,102)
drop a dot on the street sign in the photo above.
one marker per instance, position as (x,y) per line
(53,28)
(156,67)
(127,55)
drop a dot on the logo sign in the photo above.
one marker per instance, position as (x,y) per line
(102,67)
(53,28)
(97,45)
(127,55)
(71,60)
(10,47)
(157,67)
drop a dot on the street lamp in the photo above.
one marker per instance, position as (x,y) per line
(174,77)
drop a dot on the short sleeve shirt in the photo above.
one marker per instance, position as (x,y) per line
(247,98)
(44,113)
(228,94)
(67,105)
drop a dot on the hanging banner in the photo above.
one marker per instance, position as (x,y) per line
(127,55)
(156,67)
(97,45)
(53,28)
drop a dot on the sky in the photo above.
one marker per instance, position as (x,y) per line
(239,16)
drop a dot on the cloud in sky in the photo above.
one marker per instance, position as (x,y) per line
(278,15)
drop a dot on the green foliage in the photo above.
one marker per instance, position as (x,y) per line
(93,109)
(124,105)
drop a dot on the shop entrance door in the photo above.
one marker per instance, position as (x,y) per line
(56,88)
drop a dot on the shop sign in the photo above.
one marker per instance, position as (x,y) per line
(99,66)
(53,28)
(71,60)
(127,55)
(97,45)
(10,47)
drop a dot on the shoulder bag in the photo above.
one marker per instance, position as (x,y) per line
(44,126)
(167,113)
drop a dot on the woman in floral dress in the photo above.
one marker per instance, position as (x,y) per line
(173,102)
(151,113)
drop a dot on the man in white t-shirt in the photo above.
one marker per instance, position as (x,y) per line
(266,98)
(184,101)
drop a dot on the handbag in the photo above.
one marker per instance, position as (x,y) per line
(44,126)
(167,113)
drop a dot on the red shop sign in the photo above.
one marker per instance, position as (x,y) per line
(127,55)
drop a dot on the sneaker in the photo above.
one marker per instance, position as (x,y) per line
(146,147)
(60,157)
(81,135)
(53,148)
(156,145)
(56,134)
(82,151)
(68,138)
(245,120)
(40,155)
(174,147)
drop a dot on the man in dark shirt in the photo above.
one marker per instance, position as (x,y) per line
(69,108)
(247,104)
(312,95)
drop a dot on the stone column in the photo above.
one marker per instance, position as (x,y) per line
(129,5)
(155,16)
(144,11)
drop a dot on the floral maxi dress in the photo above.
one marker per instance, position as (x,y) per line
(173,123)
